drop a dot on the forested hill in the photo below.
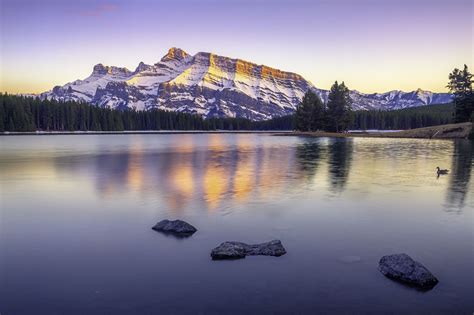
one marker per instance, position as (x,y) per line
(19,113)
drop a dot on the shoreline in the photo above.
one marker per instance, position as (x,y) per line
(133,132)
(450,131)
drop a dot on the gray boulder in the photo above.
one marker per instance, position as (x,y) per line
(236,250)
(229,250)
(176,227)
(403,268)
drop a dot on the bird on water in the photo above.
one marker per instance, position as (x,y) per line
(441,172)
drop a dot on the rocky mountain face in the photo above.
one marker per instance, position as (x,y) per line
(213,85)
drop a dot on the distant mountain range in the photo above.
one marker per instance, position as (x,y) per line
(215,86)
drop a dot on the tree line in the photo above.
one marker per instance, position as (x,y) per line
(401,119)
(23,114)
(30,114)
(408,118)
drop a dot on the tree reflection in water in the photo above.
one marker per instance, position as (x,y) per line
(339,159)
(460,175)
(308,155)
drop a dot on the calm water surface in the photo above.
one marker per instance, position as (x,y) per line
(77,211)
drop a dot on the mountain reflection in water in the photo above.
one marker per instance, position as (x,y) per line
(219,171)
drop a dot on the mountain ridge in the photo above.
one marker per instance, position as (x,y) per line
(216,86)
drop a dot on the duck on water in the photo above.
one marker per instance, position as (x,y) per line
(441,172)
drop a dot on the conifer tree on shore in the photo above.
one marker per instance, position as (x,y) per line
(312,115)
(460,84)
(338,112)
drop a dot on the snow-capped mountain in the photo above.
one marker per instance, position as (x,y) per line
(213,85)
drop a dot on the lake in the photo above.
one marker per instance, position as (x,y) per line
(77,211)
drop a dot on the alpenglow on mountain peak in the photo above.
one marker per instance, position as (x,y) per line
(215,86)
(175,54)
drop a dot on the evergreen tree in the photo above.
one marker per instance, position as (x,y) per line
(338,113)
(460,84)
(318,115)
(306,111)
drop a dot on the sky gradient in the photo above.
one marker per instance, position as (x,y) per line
(374,46)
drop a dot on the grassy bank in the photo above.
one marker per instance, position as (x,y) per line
(450,131)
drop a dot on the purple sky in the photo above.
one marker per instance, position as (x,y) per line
(371,45)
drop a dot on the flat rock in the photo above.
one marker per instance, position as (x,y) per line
(403,268)
(176,227)
(236,250)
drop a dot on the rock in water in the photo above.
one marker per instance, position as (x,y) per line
(229,250)
(272,248)
(236,250)
(176,227)
(403,268)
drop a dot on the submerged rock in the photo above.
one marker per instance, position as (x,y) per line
(403,268)
(236,250)
(349,259)
(176,227)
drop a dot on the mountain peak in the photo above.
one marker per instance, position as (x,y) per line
(142,66)
(419,90)
(99,69)
(175,54)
